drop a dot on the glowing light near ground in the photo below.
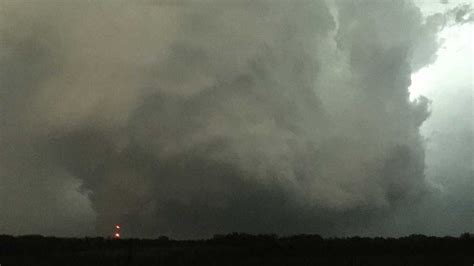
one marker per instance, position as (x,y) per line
(117,231)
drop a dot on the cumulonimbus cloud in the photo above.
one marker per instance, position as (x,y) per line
(190,118)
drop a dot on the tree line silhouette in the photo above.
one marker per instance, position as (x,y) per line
(238,249)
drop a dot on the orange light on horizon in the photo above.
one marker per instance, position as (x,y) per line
(117,232)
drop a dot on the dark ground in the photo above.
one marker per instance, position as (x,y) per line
(238,249)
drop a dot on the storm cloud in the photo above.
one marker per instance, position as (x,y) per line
(189,118)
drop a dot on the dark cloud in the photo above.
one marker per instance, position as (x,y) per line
(192,118)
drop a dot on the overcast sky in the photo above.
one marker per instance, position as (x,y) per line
(191,118)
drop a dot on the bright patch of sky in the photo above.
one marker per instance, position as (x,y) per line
(449,84)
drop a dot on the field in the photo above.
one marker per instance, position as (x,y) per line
(238,249)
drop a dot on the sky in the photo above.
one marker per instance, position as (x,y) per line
(449,85)
(193,118)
